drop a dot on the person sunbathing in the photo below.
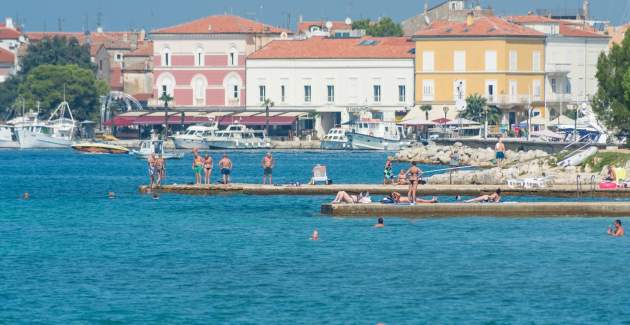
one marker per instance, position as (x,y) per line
(344,197)
(395,197)
(402,177)
(492,198)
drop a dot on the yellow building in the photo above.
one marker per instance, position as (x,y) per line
(489,56)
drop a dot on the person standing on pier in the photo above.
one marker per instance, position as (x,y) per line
(197,167)
(413,176)
(160,166)
(388,174)
(267,164)
(226,168)
(499,148)
(152,169)
(207,168)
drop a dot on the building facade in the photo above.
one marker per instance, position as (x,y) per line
(488,56)
(570,60)
(201,64)
(334,78)
(448,10)
(11,40)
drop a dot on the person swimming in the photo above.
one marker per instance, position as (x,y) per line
(26,196)
(156,196)
(315,235)
(616,230)
(380,223)
(492,198)
(111,195)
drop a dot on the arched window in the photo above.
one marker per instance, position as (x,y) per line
(166,86)
(199,57)
(233,57)
(166,57)
(233,86)
(199,91)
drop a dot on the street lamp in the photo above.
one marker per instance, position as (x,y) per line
(165,98)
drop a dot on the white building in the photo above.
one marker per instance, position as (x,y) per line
(335,78)
(10,41)
(571,54)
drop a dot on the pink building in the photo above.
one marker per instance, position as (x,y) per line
(201,64)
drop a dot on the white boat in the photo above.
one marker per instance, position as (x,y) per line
(237,136)
(156,147)
(371,134)
(57,132)
(336,139)
(194,137)
(7,137)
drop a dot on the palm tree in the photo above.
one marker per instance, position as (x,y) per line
(426,109)
(266,104)
(166,98)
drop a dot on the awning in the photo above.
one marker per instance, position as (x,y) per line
(157,118)
(442,120)
(461,121)
(257,120)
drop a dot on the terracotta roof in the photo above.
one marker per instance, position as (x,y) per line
(481,27)
(331,48)
(566,29)
(336,25)
(6,56)
(221,25)
(9,33)
(571,31)
(530,19)
(144,49)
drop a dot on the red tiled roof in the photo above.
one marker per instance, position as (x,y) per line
(570,31)
(6,56)
(9,33)
(530,19)
(221,25)
(336,25)
(331,48)
(144,49)
(481,27)
(566,29)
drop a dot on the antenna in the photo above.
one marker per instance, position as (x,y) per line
(60,24)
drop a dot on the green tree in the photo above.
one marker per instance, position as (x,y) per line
(57,50)
(47,83)
(477,108)
(612,101)
(382,28)
(426,109)
(8,95)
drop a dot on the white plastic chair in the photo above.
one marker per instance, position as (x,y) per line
(319,175)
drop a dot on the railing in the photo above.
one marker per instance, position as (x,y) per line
(558,68)
(554,97)
(511,99)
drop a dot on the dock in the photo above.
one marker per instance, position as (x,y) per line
(504,210)
(380,189)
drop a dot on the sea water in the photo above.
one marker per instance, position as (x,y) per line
(71,255)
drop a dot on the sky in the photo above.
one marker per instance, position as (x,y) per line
(76,15)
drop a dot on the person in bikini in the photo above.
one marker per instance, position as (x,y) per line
(152,169)
(207,169)
(197,167)
(396,198)
(402,177)
(344,197)
(226,168)
(413,176)
(492,198)
(267,165)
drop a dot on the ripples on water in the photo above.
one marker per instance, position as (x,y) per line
(71,255)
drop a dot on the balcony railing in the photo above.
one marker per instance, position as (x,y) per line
(558,68)
(553,97)
(511,99)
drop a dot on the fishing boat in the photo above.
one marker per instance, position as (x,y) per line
(238,136)
(8,138)
(155,147)
(371,134)
(194,137)
(57,132)
(336,139)
(99,148)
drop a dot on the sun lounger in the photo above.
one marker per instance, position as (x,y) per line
(319,175)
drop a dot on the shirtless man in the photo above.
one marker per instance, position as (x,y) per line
(380,223)
(267,164)
(397,198)
(492,198)
(499,148)
(160,169)
(225,164)
(152,169)
(617,231)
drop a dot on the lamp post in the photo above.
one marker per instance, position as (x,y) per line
(165,98)
(267,103)
(445,109)
(485,124)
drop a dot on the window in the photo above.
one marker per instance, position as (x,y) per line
(377,93)
(567,86)
(331,93)
(428,90)
(491,90)
(283,94)
(199,60)
(100,65)
(164,90)
(166,57)
(307,93)
(118,57)
(402,93)
(262,93)
(236,93)
(459,90)
(513,61)
(513,91)
(554,85)
(459,61)
(491,61)
(427,61)
(536,61)
(199,90)
(166,86)
(537,89)
(233,57)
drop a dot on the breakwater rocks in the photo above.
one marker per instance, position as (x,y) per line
(467,156)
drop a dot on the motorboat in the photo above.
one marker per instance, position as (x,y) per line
(194,137)
(238,136)
(372,134)
(7,137)
(335,139)
(155,147)
(57,132)
(99,148)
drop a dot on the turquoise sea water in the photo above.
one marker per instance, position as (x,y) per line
(70,255)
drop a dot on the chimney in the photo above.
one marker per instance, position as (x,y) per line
(470,18)
(8,22)
(99,29)
(300,19)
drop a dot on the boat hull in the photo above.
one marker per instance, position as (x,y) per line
(33,140)
(335,145)
(100,149)
(189,144)
(227,144)
(142,155)
(9,144)
(367,142)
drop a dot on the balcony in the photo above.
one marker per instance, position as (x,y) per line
(512,100)
(557,98)
(557,69)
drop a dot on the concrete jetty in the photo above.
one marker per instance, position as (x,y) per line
(380,189)
(533,209)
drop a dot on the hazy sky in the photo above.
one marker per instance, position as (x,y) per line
(124,14)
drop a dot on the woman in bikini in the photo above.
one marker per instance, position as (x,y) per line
(207,168)
(413,176)
(397,198)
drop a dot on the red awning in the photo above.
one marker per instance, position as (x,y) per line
(155,119)
(441,121)
(121,121)
(257,120)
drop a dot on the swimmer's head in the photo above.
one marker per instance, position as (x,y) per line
(111,195)
(26,196)
(380,221)
(498,191)
(618,222)
(413,163)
